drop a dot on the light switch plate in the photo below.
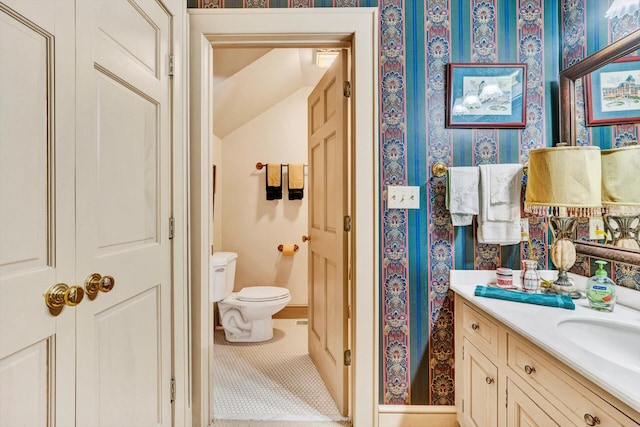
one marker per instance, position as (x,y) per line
(524,229)
(403,197)
(596,224)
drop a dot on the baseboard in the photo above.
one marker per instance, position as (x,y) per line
(292,312)
(416,416)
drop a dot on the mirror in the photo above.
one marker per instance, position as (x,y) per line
(568,125)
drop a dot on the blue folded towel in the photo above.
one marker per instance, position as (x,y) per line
(562,301)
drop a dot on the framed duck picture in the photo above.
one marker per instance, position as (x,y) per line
(486,95)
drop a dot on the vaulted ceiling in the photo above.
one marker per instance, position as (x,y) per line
(249,81)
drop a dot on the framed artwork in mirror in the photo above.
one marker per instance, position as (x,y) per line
(486,95)
(612,93)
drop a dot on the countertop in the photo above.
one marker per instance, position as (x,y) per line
(539,325)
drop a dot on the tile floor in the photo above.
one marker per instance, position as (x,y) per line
(270,384)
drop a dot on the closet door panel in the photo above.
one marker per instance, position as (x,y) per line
(37,234)
(127,181)
(123,209)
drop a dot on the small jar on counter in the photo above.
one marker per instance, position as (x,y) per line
(504,277)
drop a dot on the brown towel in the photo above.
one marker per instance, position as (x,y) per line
(296,181)
(274,181)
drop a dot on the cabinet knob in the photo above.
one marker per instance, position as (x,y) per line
(475,326)
(529,369)
(489,380)
(591,420)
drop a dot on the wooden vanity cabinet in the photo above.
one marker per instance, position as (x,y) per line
(504,380)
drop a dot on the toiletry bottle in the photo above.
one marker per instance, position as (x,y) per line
(601,291)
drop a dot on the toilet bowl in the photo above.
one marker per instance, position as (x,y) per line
(244,315)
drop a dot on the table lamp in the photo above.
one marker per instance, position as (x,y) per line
(563,183)
(621,195)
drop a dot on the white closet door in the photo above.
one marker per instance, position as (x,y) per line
(123,207)
(37,242)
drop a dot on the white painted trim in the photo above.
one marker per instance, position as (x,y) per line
(181,330)
(304,24)
(417,415)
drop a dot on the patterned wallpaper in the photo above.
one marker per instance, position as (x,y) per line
(420,247)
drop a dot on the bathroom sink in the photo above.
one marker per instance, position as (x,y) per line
(613,340)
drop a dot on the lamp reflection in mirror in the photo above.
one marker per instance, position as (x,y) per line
(621,195)
(563,183)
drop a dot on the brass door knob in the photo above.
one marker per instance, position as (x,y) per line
(306,238)
(95,283)
(61,294)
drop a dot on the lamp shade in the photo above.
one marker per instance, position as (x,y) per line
(620,8)
(621,180)
(564,181)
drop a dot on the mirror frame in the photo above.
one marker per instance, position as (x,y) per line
(568,125)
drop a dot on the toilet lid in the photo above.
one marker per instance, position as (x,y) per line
(262,293)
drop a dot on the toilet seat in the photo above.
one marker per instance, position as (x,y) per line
(262,294)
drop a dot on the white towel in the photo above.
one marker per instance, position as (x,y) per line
(499,217)
(462,194)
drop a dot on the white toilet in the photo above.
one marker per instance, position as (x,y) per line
(245,315)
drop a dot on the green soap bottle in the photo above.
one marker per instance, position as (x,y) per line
(601,291)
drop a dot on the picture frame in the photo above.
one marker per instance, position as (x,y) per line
(612,93)
(486,96)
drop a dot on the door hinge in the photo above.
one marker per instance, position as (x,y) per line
(173,390)
(346,89)
(506,398)
(463,406)
(347,223)
(347,358)
(172,64)
(172,227)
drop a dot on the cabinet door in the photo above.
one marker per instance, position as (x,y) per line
(522,411)
(123,195)
(480,388)
(37,242)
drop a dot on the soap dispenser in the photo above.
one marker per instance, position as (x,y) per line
(601,291)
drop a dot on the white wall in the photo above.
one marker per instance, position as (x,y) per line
(253,226)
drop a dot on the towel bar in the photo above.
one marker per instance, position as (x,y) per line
(260,165)
(439,169)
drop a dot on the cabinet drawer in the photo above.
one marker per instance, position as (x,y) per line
(582,406)
(524,410)
(480,330)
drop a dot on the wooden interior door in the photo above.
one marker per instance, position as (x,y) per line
(37,236)
(123,195)
(328,308)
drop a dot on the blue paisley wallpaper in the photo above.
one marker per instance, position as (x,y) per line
(419,247)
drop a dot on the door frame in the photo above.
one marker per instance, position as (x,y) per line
(295,26)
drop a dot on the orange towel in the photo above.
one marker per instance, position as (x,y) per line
(274,181)
(274,174)
(296,181)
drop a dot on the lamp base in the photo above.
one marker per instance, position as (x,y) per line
(564,286)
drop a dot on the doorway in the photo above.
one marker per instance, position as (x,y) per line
(295,26)
(294,375)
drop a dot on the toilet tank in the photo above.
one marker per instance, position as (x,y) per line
(223,272)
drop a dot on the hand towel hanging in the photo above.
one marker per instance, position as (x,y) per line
(462,194)
(296,181)
(499,217)
(274,181)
